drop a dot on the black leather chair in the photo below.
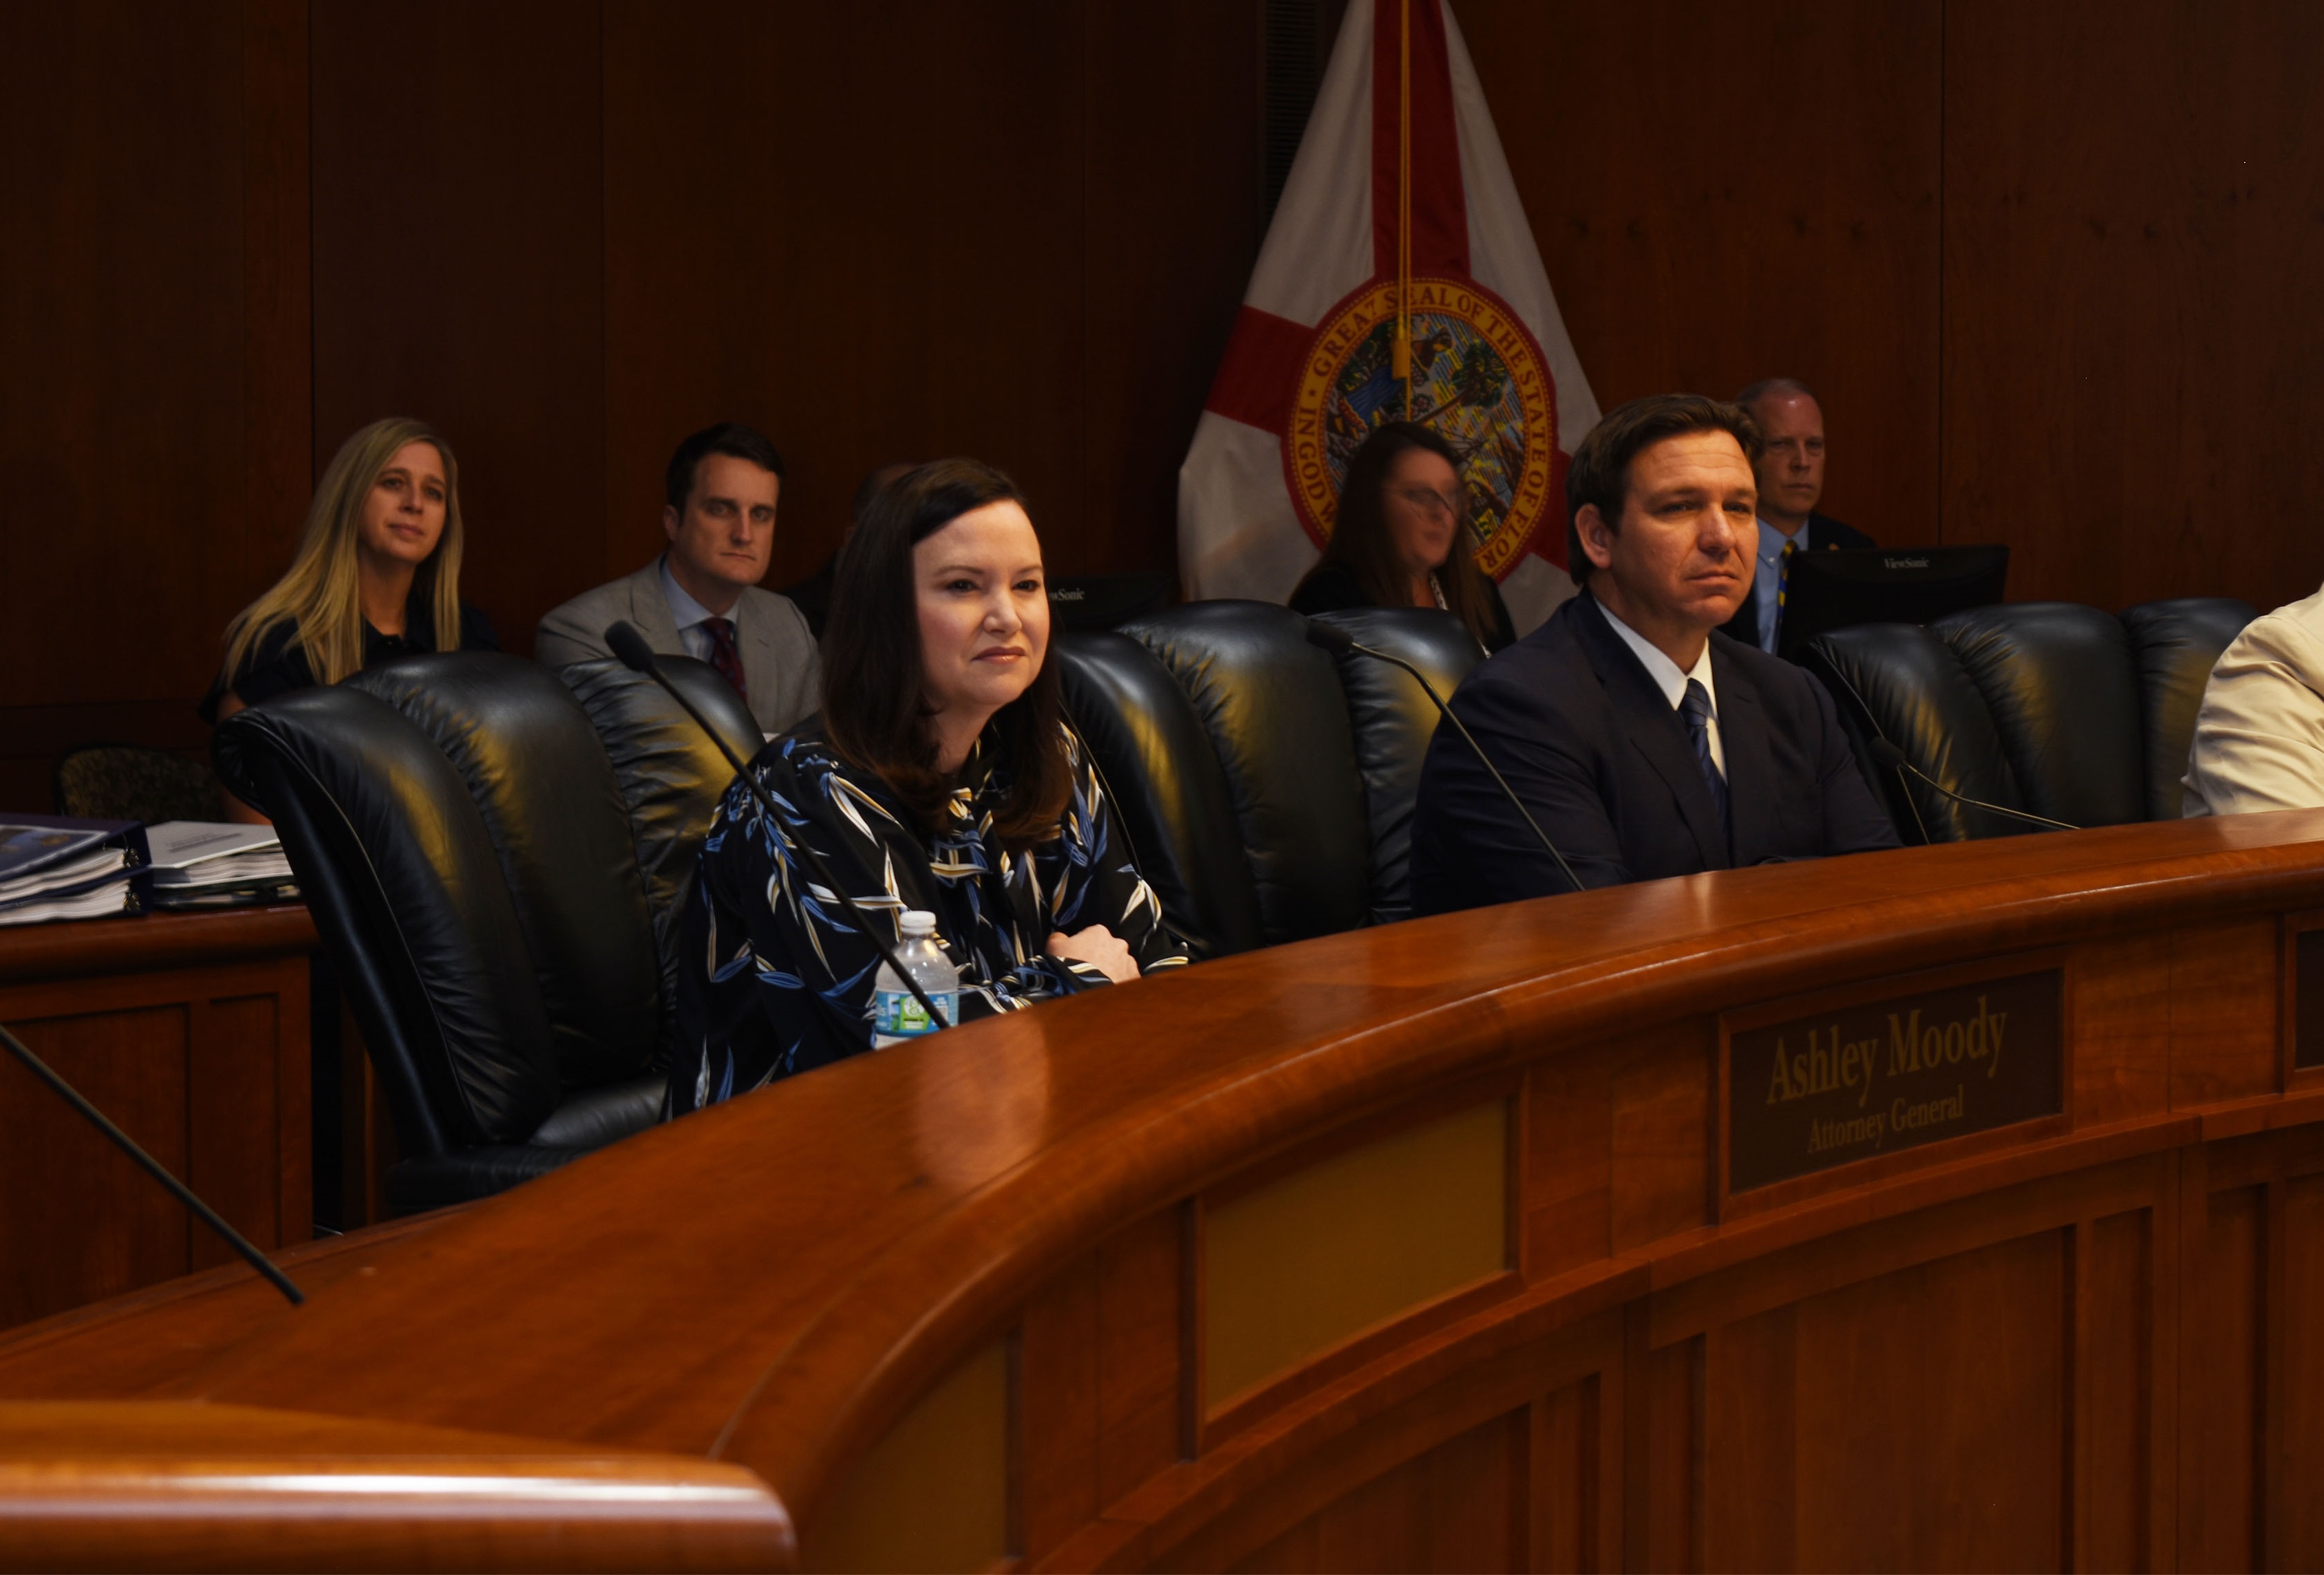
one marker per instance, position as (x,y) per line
(2044,707)
(488,885)
(671,778)
(1267,790)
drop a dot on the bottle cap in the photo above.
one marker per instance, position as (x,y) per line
(919,922)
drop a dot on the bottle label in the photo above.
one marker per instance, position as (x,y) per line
(898,1014)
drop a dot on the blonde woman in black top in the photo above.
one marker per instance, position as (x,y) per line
(377,574)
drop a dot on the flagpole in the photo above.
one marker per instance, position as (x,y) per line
(1403,343)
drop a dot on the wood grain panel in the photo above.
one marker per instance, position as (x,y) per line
(1565,1520)
(1141,1339)
(2222,1328)
(235,1088)
(103,1227)
(2130,222)
(2112,1415)
(1663,1086)
(1458,1507)
(2295,1397)
(1929,1415)
(997,250)
(1569,1188)
(1800,238)
(458,257)
(2121,1017)
(1059,1377)
(1750,1447)
(2225,998)
(121,329)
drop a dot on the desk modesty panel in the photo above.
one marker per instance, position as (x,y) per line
(189,1030)
(1945,1208)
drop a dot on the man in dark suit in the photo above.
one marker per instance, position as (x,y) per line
(1790,474)
(1642,741)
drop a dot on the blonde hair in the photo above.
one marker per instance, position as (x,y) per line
(320,594)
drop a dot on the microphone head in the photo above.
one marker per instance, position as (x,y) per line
(1330,637)
(1888,755)
(625,642)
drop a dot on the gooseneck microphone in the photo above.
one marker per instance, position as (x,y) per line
(152,1166)
(1890,756)
(636,655)
(1340,642)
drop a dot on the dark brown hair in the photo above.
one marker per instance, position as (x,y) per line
(731,438)
(1601,472)
(875,706)
(1363,544)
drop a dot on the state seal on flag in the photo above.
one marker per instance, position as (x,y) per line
(1479,380)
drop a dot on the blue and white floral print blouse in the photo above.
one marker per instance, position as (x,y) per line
(775,976)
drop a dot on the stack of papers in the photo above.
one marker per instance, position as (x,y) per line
(55,869)
(203,863)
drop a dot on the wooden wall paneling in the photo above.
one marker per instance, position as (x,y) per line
(1059,1377)
(1142,1383)
(870,243)
(1663,1436)
(1750,1448)
(1663,1085)
(153,235)
(2121,1017)
(2225,1002)
(2131,200)
(277,296)
(2221,1328)
(244,1075)
(1310,1462)
(1959,1361)
(106,1227)
(2296,1389)
(1567,1190)
(458,258)
(1793,233)
(1172,167)
(2110,1408)
(1573,1516)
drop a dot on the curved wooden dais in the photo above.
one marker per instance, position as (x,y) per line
(1957,1207)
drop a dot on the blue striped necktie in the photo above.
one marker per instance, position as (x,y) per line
(1696,708)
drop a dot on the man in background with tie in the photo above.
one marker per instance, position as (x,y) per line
(1642,741)
(1790,474)
(701,598)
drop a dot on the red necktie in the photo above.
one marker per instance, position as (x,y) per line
(724,656)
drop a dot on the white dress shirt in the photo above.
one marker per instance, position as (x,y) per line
(688,615)
(1769,579)
(1671,682)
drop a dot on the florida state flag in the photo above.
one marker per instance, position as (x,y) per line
(1398,244)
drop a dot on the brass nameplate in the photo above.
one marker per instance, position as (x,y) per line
(1835,1087)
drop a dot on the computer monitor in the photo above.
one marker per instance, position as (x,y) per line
(1087,602)
(1885,584)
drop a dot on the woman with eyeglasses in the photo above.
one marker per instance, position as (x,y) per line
(1402,539)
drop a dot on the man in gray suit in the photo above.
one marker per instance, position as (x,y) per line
(701,598)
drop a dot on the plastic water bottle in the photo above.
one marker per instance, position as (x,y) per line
(897,1014)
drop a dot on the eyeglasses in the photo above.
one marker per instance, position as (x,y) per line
(1428,501)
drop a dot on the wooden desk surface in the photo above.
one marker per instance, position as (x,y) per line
(40,953)
(1017,1241)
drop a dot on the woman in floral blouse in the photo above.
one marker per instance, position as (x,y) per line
(941,775)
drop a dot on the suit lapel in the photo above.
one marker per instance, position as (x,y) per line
(1655,730)
(649,610)
(1751,768)
(754,632)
